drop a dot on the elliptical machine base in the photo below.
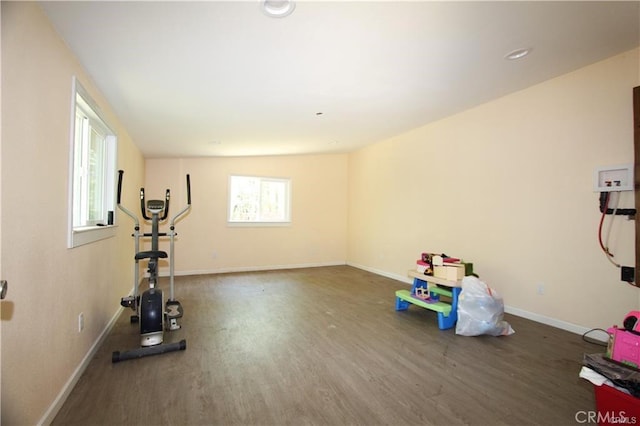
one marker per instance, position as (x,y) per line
(118,356)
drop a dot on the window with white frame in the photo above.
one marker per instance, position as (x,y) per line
(92,174)
(259,200)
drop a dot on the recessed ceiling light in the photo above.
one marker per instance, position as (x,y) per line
(518,53)
(277,8)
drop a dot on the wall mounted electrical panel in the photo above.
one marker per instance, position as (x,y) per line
(613,178)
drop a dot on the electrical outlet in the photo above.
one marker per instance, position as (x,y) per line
(616,178)
(80,322)
(540,289)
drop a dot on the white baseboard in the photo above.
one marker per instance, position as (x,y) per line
(53,409)
(403,278)
(252,268)
(553,322)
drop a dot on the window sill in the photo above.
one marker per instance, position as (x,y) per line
(257,224)
(89,234)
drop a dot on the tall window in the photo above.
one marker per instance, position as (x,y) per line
(92,173)
(259,200)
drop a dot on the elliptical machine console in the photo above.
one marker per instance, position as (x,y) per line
(155,206)
(148,306)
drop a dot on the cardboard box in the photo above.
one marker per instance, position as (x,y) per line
(452,272)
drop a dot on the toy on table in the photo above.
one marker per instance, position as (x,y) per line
(422,293)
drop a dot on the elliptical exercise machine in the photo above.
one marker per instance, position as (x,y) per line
(147,306)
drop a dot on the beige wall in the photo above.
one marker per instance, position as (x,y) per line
(508,185)
(317,235)
(50,284)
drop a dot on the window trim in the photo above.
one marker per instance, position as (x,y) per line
(82,235)
(282,223)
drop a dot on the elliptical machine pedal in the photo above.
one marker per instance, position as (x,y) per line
(173,311)
(128,302)
(131,302)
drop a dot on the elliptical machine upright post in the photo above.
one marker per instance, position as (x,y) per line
(148,307)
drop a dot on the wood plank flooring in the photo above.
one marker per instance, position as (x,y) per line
(324,346)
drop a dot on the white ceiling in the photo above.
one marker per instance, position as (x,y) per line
(222,78)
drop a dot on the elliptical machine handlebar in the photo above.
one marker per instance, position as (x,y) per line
(188,190)
(142,206)
(167,196)
(184,210)
(120,173)
(120,206)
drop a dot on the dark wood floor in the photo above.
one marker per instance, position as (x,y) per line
(324,346)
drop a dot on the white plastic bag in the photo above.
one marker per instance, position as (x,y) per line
(480,310)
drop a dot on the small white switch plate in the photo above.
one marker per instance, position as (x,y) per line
(613,178)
